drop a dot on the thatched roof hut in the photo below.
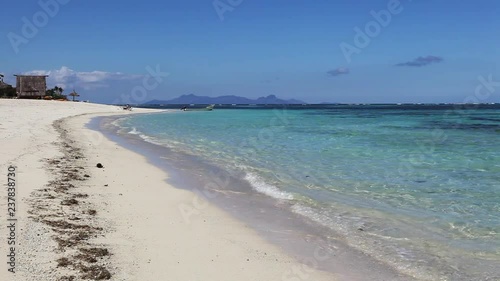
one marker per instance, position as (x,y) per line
(31,86)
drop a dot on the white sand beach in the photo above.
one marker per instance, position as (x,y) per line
(75,220)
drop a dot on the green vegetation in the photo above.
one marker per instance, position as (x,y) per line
(55,93)
(7,92)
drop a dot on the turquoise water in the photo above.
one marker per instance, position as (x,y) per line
(415,188)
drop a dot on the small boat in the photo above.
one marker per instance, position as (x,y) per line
(208,108)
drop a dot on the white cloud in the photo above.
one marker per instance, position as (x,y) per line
(68,78)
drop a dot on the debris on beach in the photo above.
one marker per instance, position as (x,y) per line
(69,202)
(72,222)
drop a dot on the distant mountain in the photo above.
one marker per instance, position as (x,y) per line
(194,99)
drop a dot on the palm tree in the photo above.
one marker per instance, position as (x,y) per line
(74,94)
(58,90)
(1,77)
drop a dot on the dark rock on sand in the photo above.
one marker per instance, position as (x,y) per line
(69,202)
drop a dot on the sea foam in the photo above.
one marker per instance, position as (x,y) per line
(261,186)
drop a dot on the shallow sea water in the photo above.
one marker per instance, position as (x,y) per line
(415,187)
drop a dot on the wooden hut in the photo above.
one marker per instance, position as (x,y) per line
(31,86)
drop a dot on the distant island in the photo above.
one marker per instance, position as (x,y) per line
(194,99)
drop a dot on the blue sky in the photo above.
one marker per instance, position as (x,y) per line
(108,51)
